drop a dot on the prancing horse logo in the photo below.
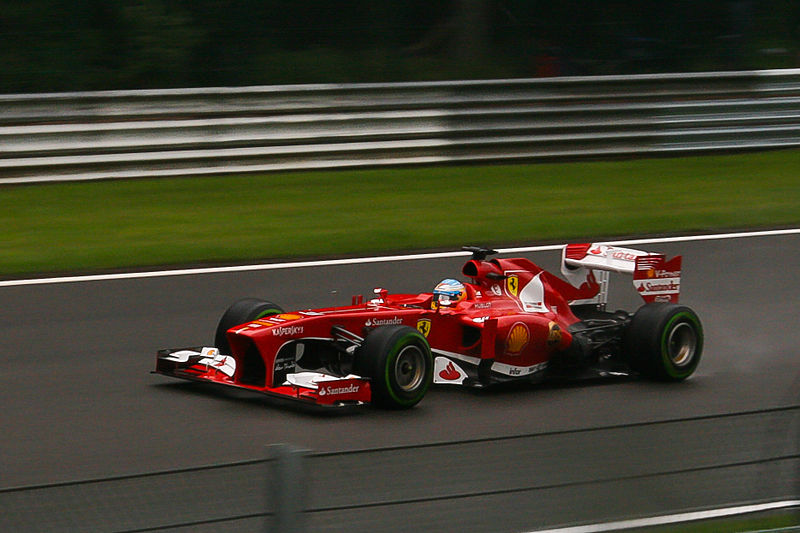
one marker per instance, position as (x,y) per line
(512,285)
(424,326)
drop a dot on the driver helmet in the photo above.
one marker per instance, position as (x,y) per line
(449,292)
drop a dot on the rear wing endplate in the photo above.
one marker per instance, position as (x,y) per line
(654,278)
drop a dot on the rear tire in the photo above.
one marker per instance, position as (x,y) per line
(398,361)
(664,341)
(241,312)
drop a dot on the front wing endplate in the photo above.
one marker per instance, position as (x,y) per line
(206,364)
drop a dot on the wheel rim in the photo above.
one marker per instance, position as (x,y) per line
(682,344)
(409,368)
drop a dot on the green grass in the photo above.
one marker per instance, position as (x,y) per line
(731,525)
(120,224)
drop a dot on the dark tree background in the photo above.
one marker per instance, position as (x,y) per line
(51,45)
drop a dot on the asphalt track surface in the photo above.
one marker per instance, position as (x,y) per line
(78,401)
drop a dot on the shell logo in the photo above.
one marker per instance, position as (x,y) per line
(288,316)
(518,337)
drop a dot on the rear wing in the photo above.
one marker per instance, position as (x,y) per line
(654,278)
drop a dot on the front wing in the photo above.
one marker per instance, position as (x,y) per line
(206,364)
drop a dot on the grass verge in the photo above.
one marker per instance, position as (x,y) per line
(773,524)
(122,224)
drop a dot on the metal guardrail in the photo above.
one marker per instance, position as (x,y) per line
(122,134)
(514,483)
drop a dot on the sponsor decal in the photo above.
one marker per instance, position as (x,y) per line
(658,286)
(496,290)
(482,305)
(450,373)
(288,316)
(211,358)
(374,322)
(663,274)
(517,371)
(554,335)
(623,256)
(656,279)
(512,284)
(535,307)
(286,363)
(424,326)
(517,339)
(282,331)
(669,286)
(330,390)
(209,352)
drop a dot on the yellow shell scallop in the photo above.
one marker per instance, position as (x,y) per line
(518,337)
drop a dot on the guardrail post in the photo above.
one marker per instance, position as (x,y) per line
(287,488)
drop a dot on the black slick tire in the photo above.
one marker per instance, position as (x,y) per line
(398,361)
(664,341)
(242,311)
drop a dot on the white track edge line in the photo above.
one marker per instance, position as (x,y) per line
(674,518)
(378,259)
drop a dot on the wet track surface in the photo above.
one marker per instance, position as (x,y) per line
(79,401)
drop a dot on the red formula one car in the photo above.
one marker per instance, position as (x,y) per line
(511,321)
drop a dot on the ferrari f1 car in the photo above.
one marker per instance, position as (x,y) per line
(511,321)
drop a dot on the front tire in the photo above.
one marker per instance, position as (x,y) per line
(398,361)
(664,341)
(241,312)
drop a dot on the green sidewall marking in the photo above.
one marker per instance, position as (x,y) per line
(268,312)
(669,366)
(392,358)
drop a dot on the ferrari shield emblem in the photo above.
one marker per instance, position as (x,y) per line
(424,326)
(512,285)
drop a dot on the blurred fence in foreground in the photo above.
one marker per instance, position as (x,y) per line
(173,132)
(517,483)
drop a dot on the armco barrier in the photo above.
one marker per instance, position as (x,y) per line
(514,483)
(172,132)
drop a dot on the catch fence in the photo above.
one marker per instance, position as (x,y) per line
(182,132)
(514,483)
